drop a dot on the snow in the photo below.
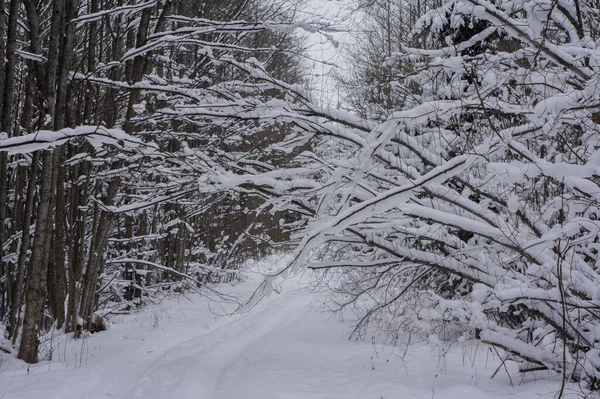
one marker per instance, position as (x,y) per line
(48,139)
(287,347)
(513,203)
(126,10)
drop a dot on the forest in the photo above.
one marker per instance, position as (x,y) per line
(151,147)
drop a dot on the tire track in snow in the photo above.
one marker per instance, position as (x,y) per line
(193,369)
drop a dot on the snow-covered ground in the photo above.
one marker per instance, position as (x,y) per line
(285,348)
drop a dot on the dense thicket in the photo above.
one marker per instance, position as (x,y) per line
(461,200)
(99,170)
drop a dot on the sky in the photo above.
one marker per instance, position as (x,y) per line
(328,56)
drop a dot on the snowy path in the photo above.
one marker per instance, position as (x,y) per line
(283,349)
(194,369)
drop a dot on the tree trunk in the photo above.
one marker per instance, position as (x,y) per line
(47,258)
(7,114)
(137,71)
(56,32)
(2,53)
(15,303)
(91,94)
(97,246)
(79,197)
(66,54)
(59,247)
(37,270)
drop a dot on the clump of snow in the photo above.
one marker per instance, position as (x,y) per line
(513,203)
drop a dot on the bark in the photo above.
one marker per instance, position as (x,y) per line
(36,69)
(79,197)
(137,71)
(97,247)
(48,258)
(7,113)
(3,275)
(17,227)
(37,270)
(9,76)
(23,215)
(66,55)
(2,53)
(111,105)
(56,32)
(91,94)
(61,39)
(143,231)
(59,247)
(15,303)
(180,244)
(131,291)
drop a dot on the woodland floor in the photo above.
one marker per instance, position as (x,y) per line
(285,348)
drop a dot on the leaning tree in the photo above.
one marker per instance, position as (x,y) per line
(479,199)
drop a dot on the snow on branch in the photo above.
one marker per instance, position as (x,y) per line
(122,10)
(97,136)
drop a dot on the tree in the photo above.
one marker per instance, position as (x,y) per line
(375,84)
(479,198)
(97,166)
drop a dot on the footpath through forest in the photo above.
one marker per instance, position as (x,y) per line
(287,347)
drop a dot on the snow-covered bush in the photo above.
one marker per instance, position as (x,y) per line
(481,196)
